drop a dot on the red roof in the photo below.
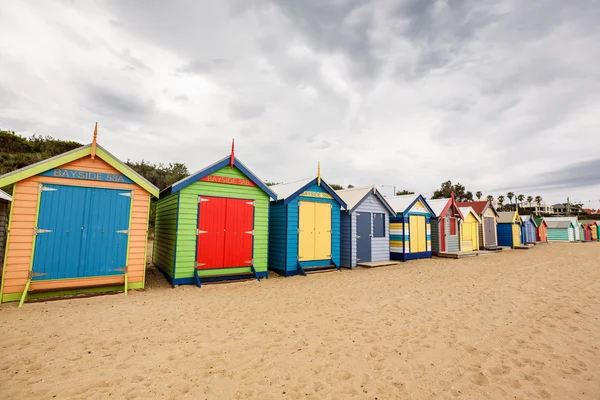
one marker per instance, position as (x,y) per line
(478,206)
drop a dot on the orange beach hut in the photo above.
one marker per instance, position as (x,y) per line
(78,224)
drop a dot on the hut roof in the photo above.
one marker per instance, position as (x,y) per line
(401,204)
(439,206)
(355,196)
(559,224)
(466,210)
(573,220)
(589,222)
(289,191)
(225,161)
(5,196)
(478,206)
(507,217)
(76,154)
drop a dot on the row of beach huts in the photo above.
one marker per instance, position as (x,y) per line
(78,223)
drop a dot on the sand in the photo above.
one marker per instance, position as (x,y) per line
(517,325)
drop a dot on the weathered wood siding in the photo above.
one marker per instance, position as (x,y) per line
(4,207)
(435,236)
(346,240)
(19,249)
(165,234)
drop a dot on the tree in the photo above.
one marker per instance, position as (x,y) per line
(478,195)
(510,196)
(529,200)
(521,197)
(490,198)
(350,186)
(269,183)
(403,192)
(501,200)
(447,188)
(335,186)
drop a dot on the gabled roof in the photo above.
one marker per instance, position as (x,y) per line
(539,221)
(76,154)
(571,219)
(225,161)
(526,218)
(466,210)
(402,204)
(478,206)
(5,196)
(355,196)
(508,217)
(559,224)
(289,191)
(440,206)
(589,222)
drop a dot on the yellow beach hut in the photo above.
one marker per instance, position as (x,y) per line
(470,229)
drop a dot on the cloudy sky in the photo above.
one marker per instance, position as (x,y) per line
(496,95)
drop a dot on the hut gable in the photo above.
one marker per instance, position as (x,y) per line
(469,214)
(509,217)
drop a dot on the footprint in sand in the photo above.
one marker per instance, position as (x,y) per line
(480,379)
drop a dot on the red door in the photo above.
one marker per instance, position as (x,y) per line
(239,235)
(224,233)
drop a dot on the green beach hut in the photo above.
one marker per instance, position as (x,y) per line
(213,225)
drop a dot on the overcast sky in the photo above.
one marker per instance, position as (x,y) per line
(496,95)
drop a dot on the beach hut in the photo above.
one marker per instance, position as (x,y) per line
(78,224)
(576,233)
(365,227)
(410,227)
(304,227)
(528,229)
(541,229)
(488,229)
(560,231)
(592,227)
(509,229)
(445,226)
(5,201)
(213,225)
(469,230)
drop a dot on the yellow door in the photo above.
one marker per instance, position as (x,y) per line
(467,236)
(516,235)
(306,231)
(475,235)
(322,231)
(417,234)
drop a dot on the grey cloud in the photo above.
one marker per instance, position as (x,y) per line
(245,111)
(200,66)
(111,103)
(580,174)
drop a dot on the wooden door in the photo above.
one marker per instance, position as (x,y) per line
(516,230)
(239,234)
(322,231)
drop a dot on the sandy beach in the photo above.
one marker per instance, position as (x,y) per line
(516,325)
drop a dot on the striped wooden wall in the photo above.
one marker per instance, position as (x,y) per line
(19,250)
(4,207)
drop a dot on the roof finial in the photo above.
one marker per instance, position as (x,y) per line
(93,154)
(319,173)
(453,196)
(232,157)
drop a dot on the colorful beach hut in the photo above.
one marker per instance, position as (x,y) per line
(509,229)
(213,225)
(488,229)
(541,229)
(574,222)
(528,229)
(410,227)
(560,231)
(470,230)
(78,224)
(445,226)
(5,201)
(304,227)
(365,227)
(592,228)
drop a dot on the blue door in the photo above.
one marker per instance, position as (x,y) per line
(363,237)
(82,232)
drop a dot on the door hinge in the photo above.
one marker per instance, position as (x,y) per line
(127,194)
(200,264)
(37,230)
(249,262)
(125,231)
(201,199)
(42,188)
(124,269)
(199,232)
(250,232)
(31,274)
(251,203)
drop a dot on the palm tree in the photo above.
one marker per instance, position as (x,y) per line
(501,201)
(478,195)
(510,196)
(529,200)
(490,198)
(520,197)
(538,200)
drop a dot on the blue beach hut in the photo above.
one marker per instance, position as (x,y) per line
(365,227)
(509,229)
(410,227)
(528,229)
(304,227)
